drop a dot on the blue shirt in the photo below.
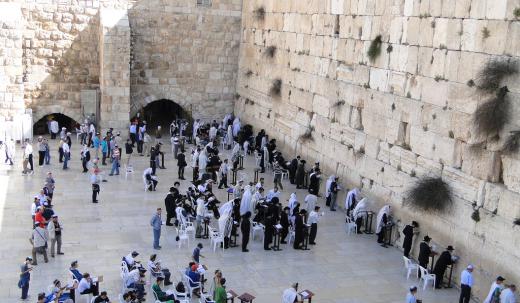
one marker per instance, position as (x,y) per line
(77,275)
(196,254)
(410,298)
(466,278)
(194,276)
(156,222)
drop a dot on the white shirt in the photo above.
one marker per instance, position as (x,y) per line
(314,217)
(92,129)
(66,148)
(200,207)
(492,290)
(54,127)
(271,194)
(28,149)
(83,285)
(466,278)
(133,129)
(310,200)
(507,296)
(129,259)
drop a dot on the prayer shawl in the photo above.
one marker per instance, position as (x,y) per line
(196,126)
(225,222)
(310,200)
(180,216)
(360,208)
(235,152)
(245,204)
(289,295)
(293,200)
(384,210)
(212,133)
(229,136)
(194,158)
(492,290)
(507,296)
(203,160)
(266,155)
(328,184)
(352,196)
(236,127)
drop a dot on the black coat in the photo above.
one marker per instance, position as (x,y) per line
(424,253)
(314,183)
(245,227)
(443,262)
(300,174)
(170,204)
(181,160)
(298,231)
(408,236)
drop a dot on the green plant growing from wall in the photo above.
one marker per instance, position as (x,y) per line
(270,51)
(492,74)
(491,116)
(307,135)
(375,48)
(430,194)
(276,88)
(485,33)
(516,13)
(476,215)
(512,143)
(259,13)
(248,73)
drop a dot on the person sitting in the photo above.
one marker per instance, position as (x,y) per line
(130,259)
(102,298)
(86,286)
(151,179)
(136,280)
(58,292)
(194,276)
(157,271)
(161,295)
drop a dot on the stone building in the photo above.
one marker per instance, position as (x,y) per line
(300,69)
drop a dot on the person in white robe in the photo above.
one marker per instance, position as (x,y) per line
(179,211)
(359,212)
(328,184)
(236,126)
(382,220)
(310,202)
(290,294)
(212,133)
(229,137)
(350,201)
(293,200)
(225,222)
(203,162)
(245,203)
(196,126)
(498,283)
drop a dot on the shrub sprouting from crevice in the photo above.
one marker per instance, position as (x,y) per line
(270,51)
(375,48)
(430,194)
(259,13)
(276,88)
(248,73)
(338,104)
(491,116)
(516,221)
(307,135)
(494,71)
(512,142)
(476,215)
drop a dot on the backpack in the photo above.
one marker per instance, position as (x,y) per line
(180,287)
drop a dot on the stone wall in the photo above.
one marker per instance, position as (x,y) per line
(382,125)
(185,53)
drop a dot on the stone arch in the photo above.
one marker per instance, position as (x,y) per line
(161,112)
(40,112)
(40,124)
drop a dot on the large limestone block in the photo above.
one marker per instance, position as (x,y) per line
(374,125)
(511,173)
(462,98)
(396,29)
(370,168)
(496,42)
(436,119)
(422,142)
(397,83)
(481,163)
(451,67)
(434,92)
(321,105)
(461,126)
(513,45)
(379,79)
(478,9)
(463,185)
(496,9)
(411,31)
(425,61)
(337,7)
(426,32)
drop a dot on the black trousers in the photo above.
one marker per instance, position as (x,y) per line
(359,222)
(41,157)
(181,172)
(60,151)
(140,146)
(169,217)
(95,192)
(162,159)
(314,231)
(31,161)
(132,138)
(439,275)
(285,232)
(465,293)
(153,166)
(245,240)
(223,181)
(153,185)
(53,135)
(84,164)
(407,246)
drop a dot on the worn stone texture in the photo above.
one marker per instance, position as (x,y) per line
(406,115)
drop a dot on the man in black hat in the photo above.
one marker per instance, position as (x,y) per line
(159,152)
(299,229)
(425,251)
(292,169)
(169,203)
(300,174)
(445,259)
(408,232)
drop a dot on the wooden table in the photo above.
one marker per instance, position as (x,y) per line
(230,296)
(246,298)
(306,295)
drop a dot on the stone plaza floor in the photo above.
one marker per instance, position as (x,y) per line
(340,269)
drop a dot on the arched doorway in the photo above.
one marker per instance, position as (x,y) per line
(40,127)
(161,113)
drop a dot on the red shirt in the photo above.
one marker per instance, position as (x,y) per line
(39,218)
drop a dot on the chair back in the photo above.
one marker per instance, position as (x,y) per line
(121,300)
(406,262)
(154,294)
(93,299)
(424,271)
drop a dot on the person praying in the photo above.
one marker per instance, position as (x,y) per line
(425,251)
(508,294)
(310,201)
(409,231)
(245,203)
(382,220)
(300,175)
(351,200)
(313,220)
(444,260)
(494,292)
(299,229)
(359,212)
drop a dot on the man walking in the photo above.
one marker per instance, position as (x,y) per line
(156,223)
(223,172)
(54,230)
(94,179)
(66,154)
(181,163)
(466,282)
(314,217)
(116,155)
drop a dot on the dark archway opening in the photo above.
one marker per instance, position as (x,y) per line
(162,113)
(41,128)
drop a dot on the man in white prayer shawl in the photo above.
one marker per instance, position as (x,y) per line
(196,126)
(229,137)
(225,222)
(290,295)
(494,291)
(382,220)
(236,126)
(179,211)
(351,199)
(293,200)
(212,133)
(359,212)
(245,204)
(310,202)
(327,187)
(203,162)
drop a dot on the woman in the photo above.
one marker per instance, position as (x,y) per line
(215,282)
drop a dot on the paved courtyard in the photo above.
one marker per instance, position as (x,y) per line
(340,269)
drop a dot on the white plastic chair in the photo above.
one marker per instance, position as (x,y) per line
(285,174)
(189,228)
(182,297)
(425,276)
(410,267)
(257,227)
(217,238)
(82,298)
(183,237)
(93,299)
(258,159)
(189,287)
(205,298)
(146,184)
(292,235)
(350,226)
